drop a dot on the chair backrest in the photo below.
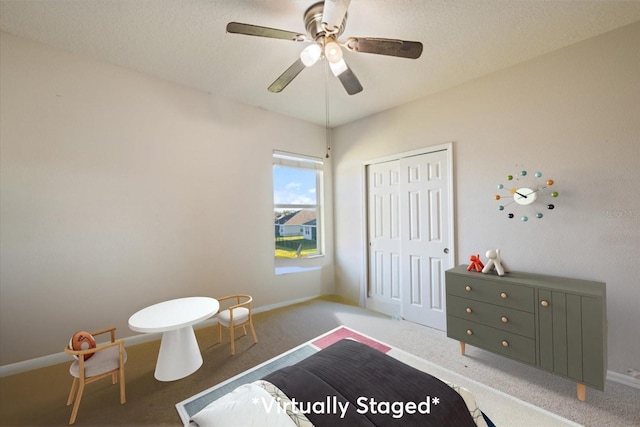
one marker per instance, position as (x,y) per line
(83,356)
(236,300)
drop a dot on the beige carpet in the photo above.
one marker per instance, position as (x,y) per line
(38,398)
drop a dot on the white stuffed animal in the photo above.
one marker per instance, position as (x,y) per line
(495,261)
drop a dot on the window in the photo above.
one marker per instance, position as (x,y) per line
(297,196)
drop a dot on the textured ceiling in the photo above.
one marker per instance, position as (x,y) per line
(184,41)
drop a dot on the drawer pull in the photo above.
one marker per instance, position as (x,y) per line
(504,319)
(468,310)
(469,332)
(544,303)
(467,288)
(505,343)
(504,295)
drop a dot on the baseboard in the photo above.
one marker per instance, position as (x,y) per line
(62,357)
(623,379)
(283,304)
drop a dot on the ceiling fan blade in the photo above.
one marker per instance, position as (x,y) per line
(286,77)
(347,77)
(272,33)
(333,14)
(391,47)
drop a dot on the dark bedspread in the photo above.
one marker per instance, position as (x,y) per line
(379,390)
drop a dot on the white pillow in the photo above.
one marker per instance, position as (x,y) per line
(248,406)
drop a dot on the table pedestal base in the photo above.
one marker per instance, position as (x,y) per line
(179,355)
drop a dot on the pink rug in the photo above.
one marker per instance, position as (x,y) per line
(341,333)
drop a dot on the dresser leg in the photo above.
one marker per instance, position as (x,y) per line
(462,348)
(582,391)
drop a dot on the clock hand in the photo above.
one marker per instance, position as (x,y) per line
(533,191)
(539,188)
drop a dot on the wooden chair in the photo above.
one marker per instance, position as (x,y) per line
(108,360)
(236,315)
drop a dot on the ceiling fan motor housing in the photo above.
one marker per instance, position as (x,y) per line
(313,22)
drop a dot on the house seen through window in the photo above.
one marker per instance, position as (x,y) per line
(297,195)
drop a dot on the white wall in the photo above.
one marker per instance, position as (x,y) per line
(575,116)
(120,190)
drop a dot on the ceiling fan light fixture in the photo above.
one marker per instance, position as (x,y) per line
(333,52)
(338,68)
(311,54)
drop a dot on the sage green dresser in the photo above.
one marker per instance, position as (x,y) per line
(555,323)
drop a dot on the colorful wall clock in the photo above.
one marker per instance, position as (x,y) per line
(526,196)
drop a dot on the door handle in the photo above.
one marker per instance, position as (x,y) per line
(446,250)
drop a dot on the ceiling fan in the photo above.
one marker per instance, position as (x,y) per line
(325,22)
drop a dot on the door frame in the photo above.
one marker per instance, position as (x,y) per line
(448,147)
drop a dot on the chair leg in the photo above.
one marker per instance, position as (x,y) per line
(244,328)
(76,405)
(72,393)
(233,347)
(123,394)
(253,332)
(219,333)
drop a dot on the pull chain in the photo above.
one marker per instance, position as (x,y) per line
(326,103)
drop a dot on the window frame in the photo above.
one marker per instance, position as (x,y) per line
(304,162)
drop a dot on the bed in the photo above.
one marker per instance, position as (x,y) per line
(347,383)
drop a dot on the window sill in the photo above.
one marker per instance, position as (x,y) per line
(292,270)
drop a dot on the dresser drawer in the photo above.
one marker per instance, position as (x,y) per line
(494,292)
(495,340)
(496,316)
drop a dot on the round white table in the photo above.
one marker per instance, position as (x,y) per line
(179,354)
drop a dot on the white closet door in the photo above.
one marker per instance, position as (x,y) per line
(409,231)
(425,237)
(384,237)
